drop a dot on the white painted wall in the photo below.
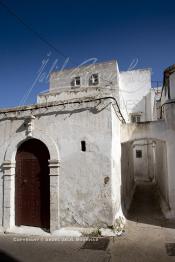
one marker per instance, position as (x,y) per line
(86,199)
(135,97)
(141,164)
(116,166)
(163,131)
(161,169)
(144,166)
(107,71)
(92,182)
(78,93)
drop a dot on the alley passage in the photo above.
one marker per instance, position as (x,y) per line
(145,206)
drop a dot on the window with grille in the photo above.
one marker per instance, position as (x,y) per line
(135,118)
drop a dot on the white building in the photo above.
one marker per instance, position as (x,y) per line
(73,158)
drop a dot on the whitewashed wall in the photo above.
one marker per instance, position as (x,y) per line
(141,164)
(164,131)
(144,166)
(107,71)
(161,169)
(135,88)
(87,196)
(116,166)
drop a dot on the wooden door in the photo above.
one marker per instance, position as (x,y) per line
(32,187)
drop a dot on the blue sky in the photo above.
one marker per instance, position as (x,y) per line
(142,32)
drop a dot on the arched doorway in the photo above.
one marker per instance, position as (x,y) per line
(32,185)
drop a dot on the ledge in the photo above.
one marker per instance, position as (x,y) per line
(51,104)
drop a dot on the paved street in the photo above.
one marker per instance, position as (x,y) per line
(140,243)
(146,235)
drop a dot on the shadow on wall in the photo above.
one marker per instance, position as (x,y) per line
(145,181)
(127,176)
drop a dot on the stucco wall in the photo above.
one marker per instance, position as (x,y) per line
(107,71)
(135,86)
(144,166)
(161,169)
(152,160)
(165,132)
(60,83)
(127,175)
(140,164)
(78,93)
(116,166)
(85,193)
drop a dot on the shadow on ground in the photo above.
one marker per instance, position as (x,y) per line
(6,257)
(145,207)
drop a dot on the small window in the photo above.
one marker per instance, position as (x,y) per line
(76,81)
(138,153)
(135,118)
(83,146)
(94,80)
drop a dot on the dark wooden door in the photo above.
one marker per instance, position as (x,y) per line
(32,187)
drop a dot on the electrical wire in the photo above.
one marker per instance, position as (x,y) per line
(51,104)
(43,39)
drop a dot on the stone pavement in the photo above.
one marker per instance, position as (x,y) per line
(140,243)
(147,231)
(146,234)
